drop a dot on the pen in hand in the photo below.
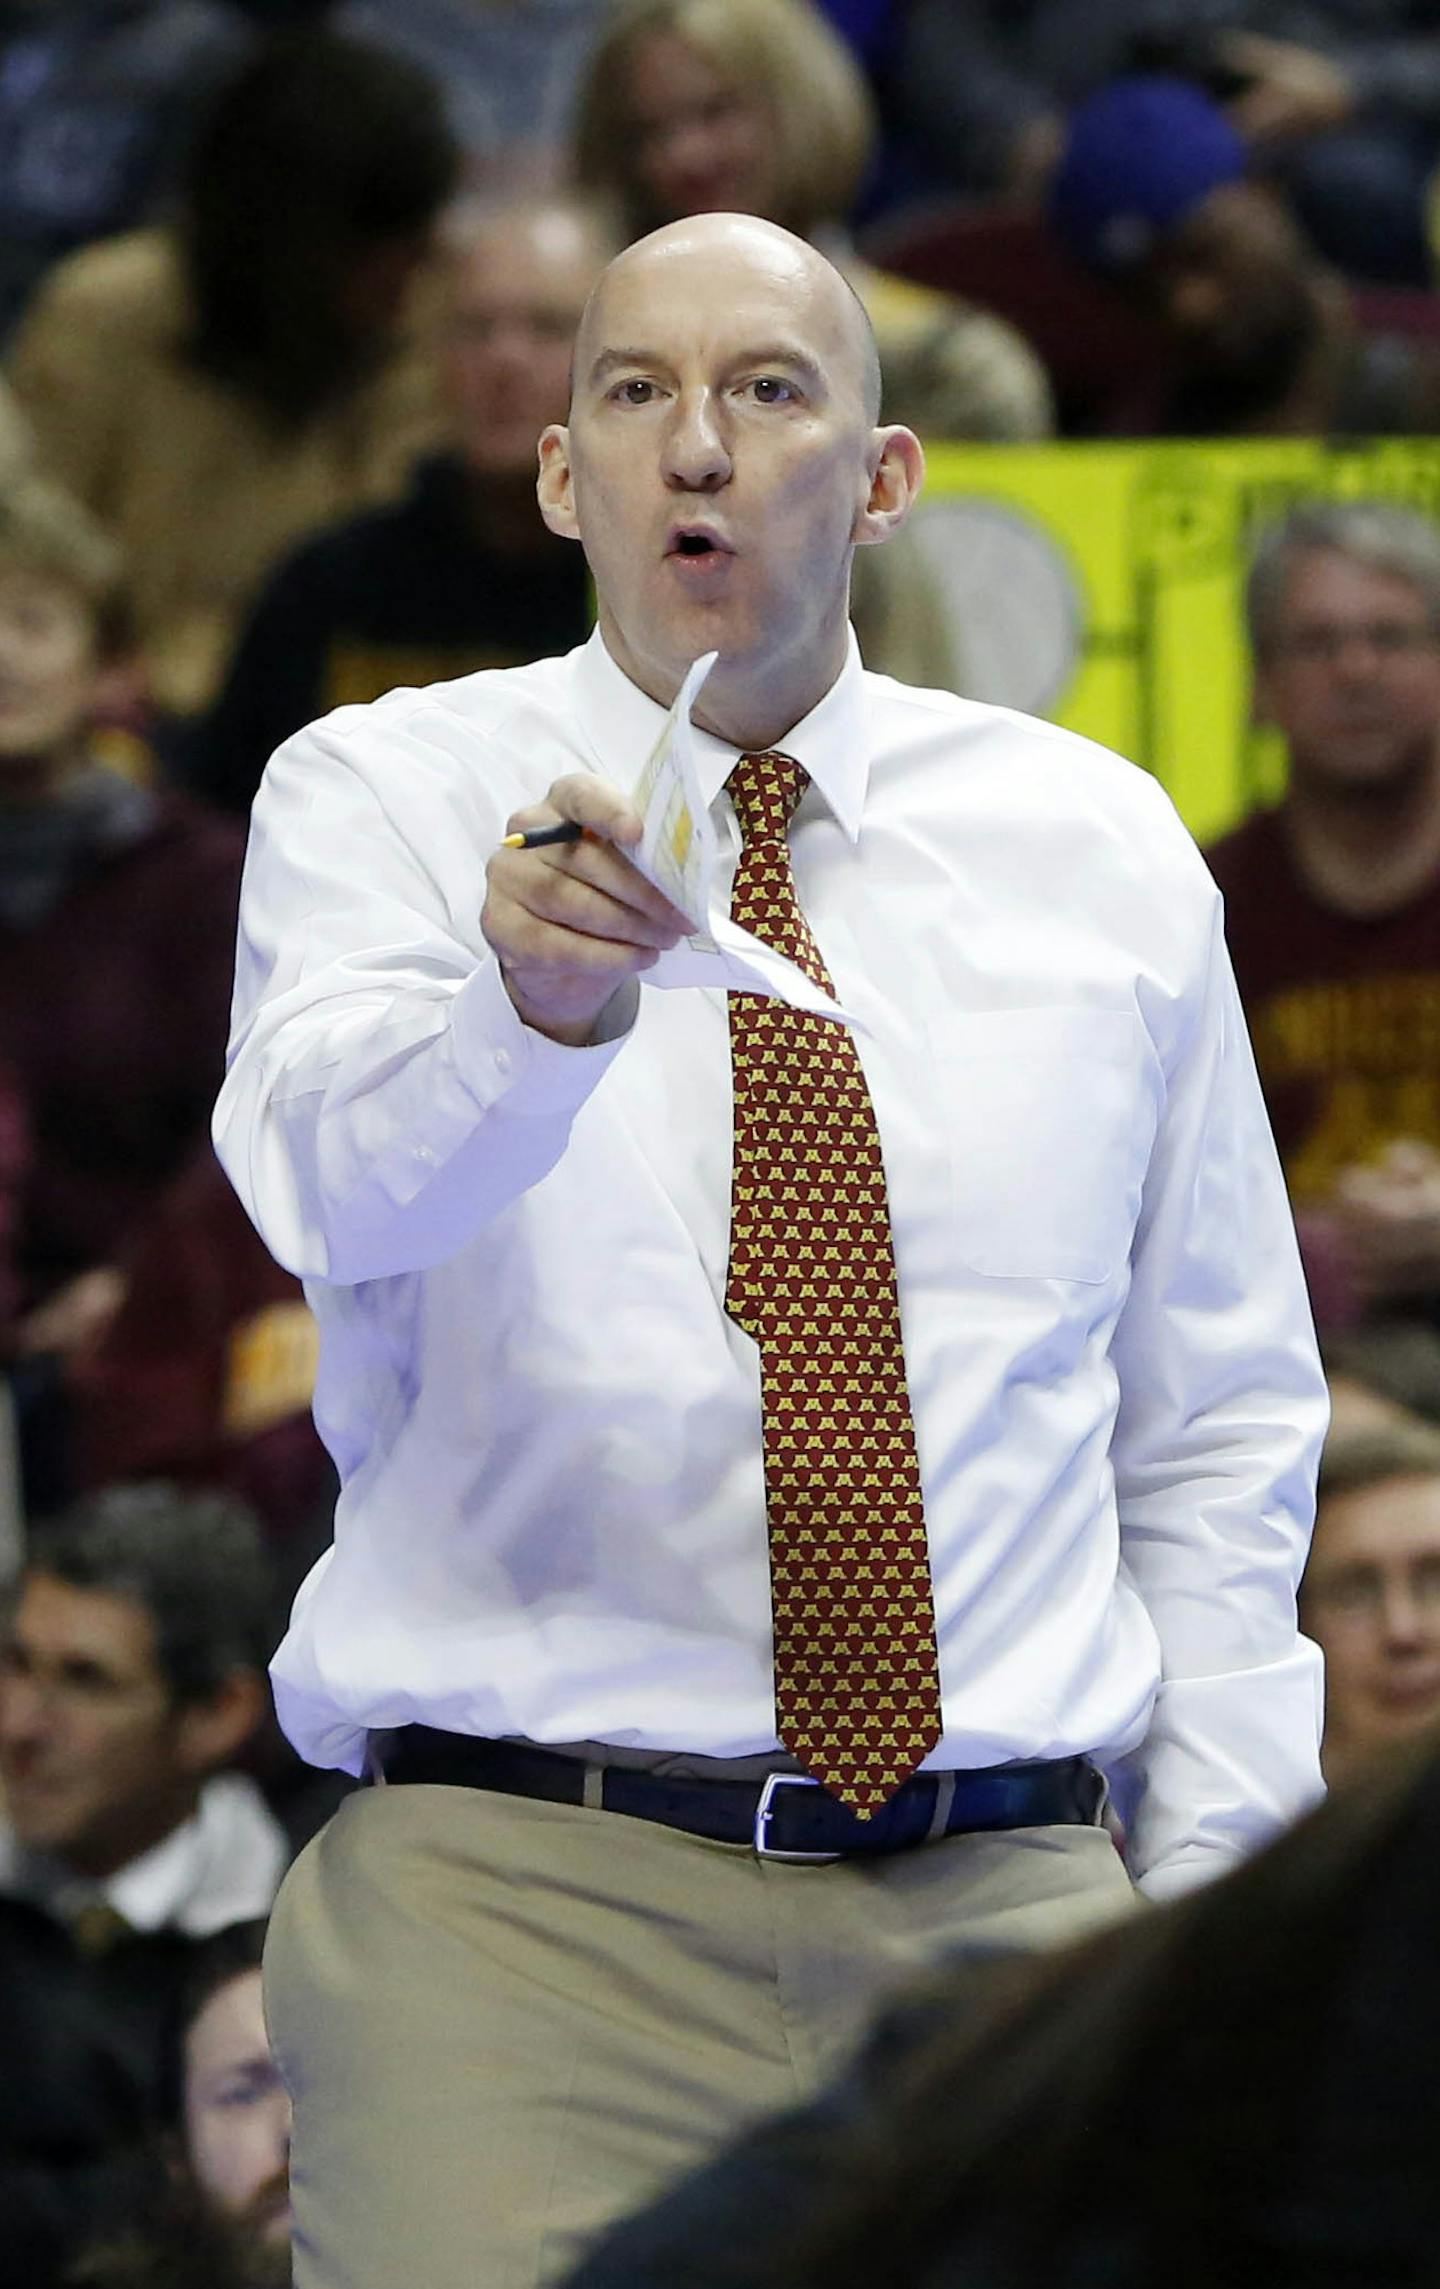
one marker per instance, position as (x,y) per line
(540,838)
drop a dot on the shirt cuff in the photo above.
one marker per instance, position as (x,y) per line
(499,1057)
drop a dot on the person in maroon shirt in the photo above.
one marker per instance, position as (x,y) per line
(1333,898)
(117,926)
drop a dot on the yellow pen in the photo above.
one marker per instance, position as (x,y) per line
(539,838)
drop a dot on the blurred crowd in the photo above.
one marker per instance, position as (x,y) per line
(287,293)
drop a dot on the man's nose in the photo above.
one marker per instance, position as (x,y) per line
(697,457)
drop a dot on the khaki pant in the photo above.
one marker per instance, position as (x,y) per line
(506,2023)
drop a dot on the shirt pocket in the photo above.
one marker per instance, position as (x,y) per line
(1050,1116)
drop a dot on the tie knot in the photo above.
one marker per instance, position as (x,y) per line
(765,788)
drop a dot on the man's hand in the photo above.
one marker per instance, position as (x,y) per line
(572,922)
(1388,1217)
(1292,91)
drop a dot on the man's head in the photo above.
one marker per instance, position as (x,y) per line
(1152,189)
(233,2109)
(1371,1593)
(64,625)
(722,462)
(218,2216)
(1343,608)
(314,184)
(132,1668)
(515,280)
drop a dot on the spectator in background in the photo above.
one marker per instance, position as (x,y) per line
(131,1676)
(462,573)
(1371,1592)
(1153,188)
(221,2220)
(1338,100)
(1333,899)
(98,100)
(216,389)
(1344,110)
(756,106)
(117,920)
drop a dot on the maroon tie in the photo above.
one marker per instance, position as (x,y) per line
(812,1280)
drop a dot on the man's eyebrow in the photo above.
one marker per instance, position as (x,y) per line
(785,354)
(618,360)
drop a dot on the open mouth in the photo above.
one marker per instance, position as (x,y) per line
(694,541)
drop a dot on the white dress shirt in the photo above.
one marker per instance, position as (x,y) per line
(552,1522)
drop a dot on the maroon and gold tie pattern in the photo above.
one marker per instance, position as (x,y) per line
(812,1280)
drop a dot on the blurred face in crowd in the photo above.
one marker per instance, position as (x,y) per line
(1351,674)
(1371,1600)
(49,669)
(96,1761)
(721,463)
(1233,282)
(237,2113)
(700,144)
(515,291)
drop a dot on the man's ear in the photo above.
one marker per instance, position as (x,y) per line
(212,1732)
(555,486)
(897,471)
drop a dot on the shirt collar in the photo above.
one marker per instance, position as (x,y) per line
(146,1892)
(831,743)
(219,1866)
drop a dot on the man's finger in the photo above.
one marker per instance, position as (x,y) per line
(535,878)
(589,801)
(591,908)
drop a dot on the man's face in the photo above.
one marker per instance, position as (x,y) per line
(48,667)
(1351,676)
(1232,281)
(94,1766)
(718,463)
(237,2113)
(514,298)
(1371,1600)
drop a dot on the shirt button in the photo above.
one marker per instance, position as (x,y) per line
(426,1156)
(503,1060)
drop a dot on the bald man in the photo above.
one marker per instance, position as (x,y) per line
(785,1466)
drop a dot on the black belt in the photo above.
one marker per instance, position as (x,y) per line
(785,1816)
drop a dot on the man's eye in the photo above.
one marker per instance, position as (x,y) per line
(635,391)
(772,390)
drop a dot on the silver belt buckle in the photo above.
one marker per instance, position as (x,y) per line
(764,1812)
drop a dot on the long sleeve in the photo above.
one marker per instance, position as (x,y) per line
(1221,1416)
(383,1100)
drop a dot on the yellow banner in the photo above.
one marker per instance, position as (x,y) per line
(1102,585)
